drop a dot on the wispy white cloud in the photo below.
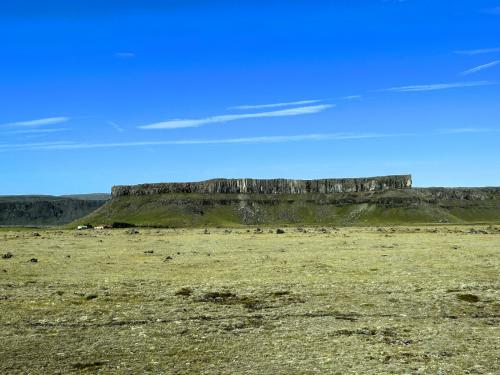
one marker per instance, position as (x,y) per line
(39,122)
(291,104)
(31,146)
(115,126)
(36,131)
(277,105)
(194,123)
(480,67)
(465,130)
(67,145)
(125,55)
(477,51)
(438,86)
(249,140)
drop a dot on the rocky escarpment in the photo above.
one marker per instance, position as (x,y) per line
(273,186)
(45,210)
(383,207)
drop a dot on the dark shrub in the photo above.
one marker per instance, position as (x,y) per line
(472,298)
(118,224)
(185,291)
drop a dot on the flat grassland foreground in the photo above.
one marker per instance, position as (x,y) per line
(315,300)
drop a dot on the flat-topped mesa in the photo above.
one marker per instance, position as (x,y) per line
(273,186)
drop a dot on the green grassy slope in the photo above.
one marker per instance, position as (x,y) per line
(411,206)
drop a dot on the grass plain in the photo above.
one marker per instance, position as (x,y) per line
(401,300)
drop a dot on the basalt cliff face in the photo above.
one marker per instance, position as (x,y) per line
(274,186)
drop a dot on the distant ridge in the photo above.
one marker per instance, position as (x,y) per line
(89,197)
(47,210)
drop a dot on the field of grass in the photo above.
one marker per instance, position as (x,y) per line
(402,300)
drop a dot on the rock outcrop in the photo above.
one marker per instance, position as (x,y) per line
(45,210)
(274,186)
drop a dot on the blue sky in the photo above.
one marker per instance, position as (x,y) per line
(95,95)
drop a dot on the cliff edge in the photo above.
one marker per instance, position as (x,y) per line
(272,186)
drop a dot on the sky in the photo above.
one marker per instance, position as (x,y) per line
(95,94)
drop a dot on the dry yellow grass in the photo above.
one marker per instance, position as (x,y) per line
(348,301)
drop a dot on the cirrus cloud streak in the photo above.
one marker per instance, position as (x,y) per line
(194,123)
(39,122)
(479,51)
(438,86)
(480,67)
(277,105)
(248,140)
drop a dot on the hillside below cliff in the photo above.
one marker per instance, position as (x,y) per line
(378,207)
(41,210)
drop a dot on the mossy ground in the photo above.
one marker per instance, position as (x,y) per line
(316,300)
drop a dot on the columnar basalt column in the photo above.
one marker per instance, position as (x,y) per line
(272,186)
